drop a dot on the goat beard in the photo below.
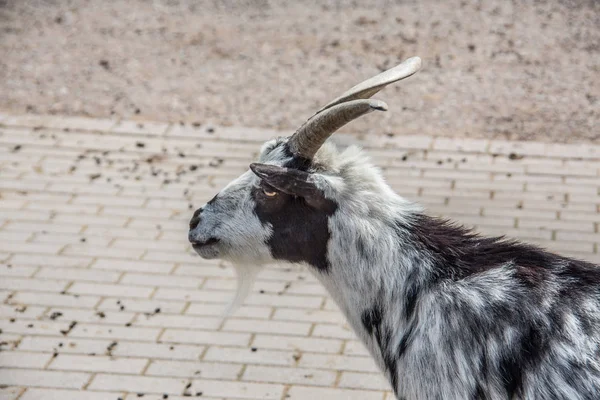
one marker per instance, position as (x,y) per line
(246,276)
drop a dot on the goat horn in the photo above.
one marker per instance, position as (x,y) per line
(368,88)
(309,138)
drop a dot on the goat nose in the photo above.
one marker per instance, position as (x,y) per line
(192,236)
(195,219)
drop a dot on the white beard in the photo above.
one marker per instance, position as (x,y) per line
(246,276)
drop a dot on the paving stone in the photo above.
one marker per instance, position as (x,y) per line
(17,270)
(310,344)
(89,315)
(24,311)
(261,326)
(306,392)
(338,362)
(150,396)
(98,363)
(237,390)
(10,392)
(294,375)
(333,331)
(205,337)
(56,300)
(355,348)
(137,384)
(146,306)
(186,369)
(114,332)
(64,345)
(20,359)
(49,285)
(158,351)
(40,378)
(362,380)
(178,321)
(154,280)
(60,394)
(79,274)
(219,309)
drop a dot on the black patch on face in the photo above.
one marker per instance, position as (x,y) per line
(296,183)
(300,231)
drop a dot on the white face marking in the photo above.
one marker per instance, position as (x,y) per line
(230,218)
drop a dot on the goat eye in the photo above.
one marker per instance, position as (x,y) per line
(269,193)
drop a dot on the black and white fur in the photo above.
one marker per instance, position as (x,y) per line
(446,313)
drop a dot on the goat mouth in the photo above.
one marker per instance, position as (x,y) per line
(209,242)
(207,249)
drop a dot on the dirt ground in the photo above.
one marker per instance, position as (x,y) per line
(526,70)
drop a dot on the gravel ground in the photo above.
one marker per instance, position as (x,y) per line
(491,68)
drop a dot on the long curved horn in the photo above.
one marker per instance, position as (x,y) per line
(368,88)
(309,138)
(352,104)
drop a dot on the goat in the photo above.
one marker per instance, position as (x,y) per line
(445,312)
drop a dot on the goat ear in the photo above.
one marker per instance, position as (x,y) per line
(296,183)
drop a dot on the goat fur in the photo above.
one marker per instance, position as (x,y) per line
(446,313)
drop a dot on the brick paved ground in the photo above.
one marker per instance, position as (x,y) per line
(100,291)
